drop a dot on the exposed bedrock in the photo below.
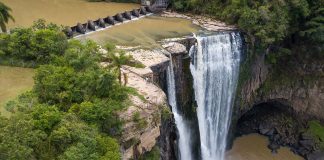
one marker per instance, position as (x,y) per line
(280,100)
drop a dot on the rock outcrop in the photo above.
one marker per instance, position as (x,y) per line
(142,119)
(296,86)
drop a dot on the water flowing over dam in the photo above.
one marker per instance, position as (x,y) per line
(215,69)
(184,145)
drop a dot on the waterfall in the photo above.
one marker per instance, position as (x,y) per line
(215,69)
(185,152)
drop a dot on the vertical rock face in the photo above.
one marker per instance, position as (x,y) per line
(142,119)
(301,86)
(185,105)
(295,84)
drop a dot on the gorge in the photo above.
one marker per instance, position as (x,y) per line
(177,85)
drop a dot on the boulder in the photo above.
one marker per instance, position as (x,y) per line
(305,136)
(308,144)
(175,48)
(273,146)
(316,156)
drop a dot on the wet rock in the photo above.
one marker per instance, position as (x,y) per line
(273,146)
(264,131)
(305,136)
(316,156)
(308,144)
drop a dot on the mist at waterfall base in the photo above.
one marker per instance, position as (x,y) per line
(215,69)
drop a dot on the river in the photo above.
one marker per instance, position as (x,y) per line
(254,147)
(145,31)
(14,81)
(63,12)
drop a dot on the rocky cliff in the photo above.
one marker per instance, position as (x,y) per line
(293,88)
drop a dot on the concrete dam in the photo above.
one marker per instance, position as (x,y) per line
(101,23)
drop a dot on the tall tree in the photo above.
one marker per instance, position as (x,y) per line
(5,16)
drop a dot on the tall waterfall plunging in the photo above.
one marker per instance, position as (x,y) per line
(215,70)
(184,139)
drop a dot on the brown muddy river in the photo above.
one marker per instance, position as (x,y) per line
(145,31)
(254,147)
(13,81)
(65,12)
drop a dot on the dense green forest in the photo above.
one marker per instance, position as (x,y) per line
(71,111)
(275,26)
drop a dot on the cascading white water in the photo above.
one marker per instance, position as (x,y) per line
(215,69)
(185,152)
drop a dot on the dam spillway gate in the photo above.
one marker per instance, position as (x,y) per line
(102,23)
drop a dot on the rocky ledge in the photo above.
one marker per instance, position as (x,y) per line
(202,21)
(143,117)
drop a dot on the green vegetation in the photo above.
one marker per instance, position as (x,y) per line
(71,112)
(5,16)
(270,26)
(30,47)
(316,130)
(140,122)
(154,154)
(118,58)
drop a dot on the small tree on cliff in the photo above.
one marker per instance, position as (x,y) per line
(5,16)
(117,59)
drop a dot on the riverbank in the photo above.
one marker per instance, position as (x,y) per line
(14,81)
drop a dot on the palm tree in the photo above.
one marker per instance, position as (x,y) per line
(5,16)
(117,59)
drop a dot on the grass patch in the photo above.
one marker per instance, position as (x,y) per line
(316,130)
(140,122)
(134,92)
